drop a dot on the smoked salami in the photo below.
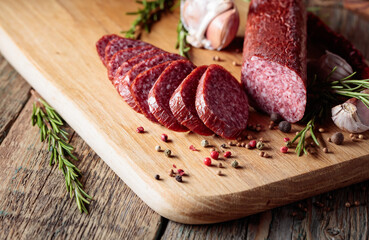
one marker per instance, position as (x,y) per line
(142,85)
(182,103)
(125,84)
(122,56)
(163,89)
(101,45)
(274,57)
(221,103)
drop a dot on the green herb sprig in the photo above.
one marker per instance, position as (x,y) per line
(182,44)
(322,96)
(49,122)
(150,13)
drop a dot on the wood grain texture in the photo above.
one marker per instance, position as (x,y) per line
(52,46)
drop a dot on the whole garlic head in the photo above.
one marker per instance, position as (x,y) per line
(351,116)
(328,61)
(211,24)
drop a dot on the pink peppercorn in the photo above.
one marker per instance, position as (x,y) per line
(214,155)
(252,143)
(164,137)
(207,161)
(140,130)
(180,171)
(174,166)
(227,154)
(286,139)
(284,149)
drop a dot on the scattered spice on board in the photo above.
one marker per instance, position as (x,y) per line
(284,126)
(325,150)
(164,137)
(193,148)
(171,173)
(227,154)
(207,161)
(260,145)
(205,143)
(284,149)
(337,138)
(361,136)
(157,148)
(235,164)
(252,144)
(231,143)
(157,177)
(223,145)
(214,155)
(140,130)
(286,139)
(179,178)
(216,58)
(261,154)
(180,172)
(174,166)
(220,165)
(347,204)
(219,173)
(168,153)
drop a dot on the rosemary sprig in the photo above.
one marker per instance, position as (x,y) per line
(182,44)
(302,136)
(150,13)
(49,122)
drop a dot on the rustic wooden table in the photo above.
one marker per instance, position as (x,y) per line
(34,204)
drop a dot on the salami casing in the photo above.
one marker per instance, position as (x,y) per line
(142,85)
(163,89)
(221,103)
(101,45)
(118,44)
(125,85)
(274,57)
(122,56)
(182,103)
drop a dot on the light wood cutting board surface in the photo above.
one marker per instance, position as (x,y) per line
(52,44)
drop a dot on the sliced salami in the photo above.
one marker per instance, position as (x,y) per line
(126,66)
(101,45)
(118,44)
(221,103)
(125,84)
(182,103)
(122,56)
(142,85)
(163,89)
(274,57)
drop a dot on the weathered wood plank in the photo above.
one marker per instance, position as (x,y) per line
(13,96)
(33,199)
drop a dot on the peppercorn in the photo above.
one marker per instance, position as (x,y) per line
(140,130)
(235,164)
(284,149)
(262,154)
(164,137)
(214,155)
(284,126)
(361,136)
(204,143)
(167,152)
(347,204)
(248,146)
(325,150)
(252,144)
(158,148)
(234,63)
(219,173)
(286,139)
(216,58)
(220,165)
(227,154)
(261,139)
(223,145)
(243,144)
(321,130)
(266,155)
(275,117)
(329,139)
(179,178)
(260,145)
(171,173)
(157,176)
(238,144)
(337,138)
(207,161)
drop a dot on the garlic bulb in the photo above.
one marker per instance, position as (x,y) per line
(351,116)
(328,61)
(211,24)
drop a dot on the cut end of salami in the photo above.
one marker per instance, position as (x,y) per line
(102,43)
(163,89)
(221,103)
(182,103)
(274,88)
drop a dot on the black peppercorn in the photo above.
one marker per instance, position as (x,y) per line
(284,126)
(179,178)
(157,176)
(275,117)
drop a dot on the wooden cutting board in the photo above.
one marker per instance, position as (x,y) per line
(52,44)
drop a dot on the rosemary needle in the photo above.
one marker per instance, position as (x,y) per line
(49,122)
(182,44)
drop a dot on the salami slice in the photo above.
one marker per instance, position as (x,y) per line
(101,45)
(182,103)
(118,44)
(163,89)
(274,57)
(125,84)
(126,66)
(221,103)
(122,56)
(142,85)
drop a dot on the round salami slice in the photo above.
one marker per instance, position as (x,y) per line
(118,44)
(122,56)
(126,66)
(274,57)
(125,85)
(163,89)
(101,45)
(182,103)
(221,103)
(142,85)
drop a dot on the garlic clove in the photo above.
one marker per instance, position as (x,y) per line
(346,117)
(223,29)
(363,111)
(330,60)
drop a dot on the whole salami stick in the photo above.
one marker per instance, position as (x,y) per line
(274,57)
